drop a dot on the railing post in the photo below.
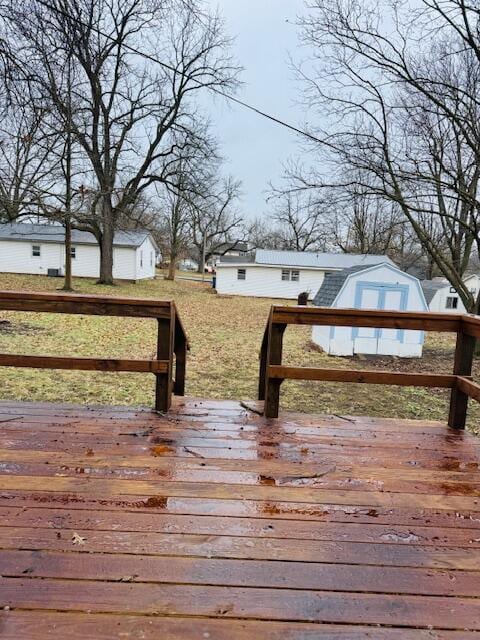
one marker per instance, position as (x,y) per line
(464,351)
(180,362)
(165,347)
(273,356)
(263,361)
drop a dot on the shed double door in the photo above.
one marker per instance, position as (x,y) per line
(379,296)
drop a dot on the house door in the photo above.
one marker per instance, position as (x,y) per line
(392,297)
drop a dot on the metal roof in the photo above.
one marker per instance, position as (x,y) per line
(430,288)
(305,259)
(317,260)
(56,233)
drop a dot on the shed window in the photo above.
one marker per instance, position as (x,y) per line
(151,258)
(73,252)
(36,250)
(452,302)
(141,259)
(290,274)
(241,274)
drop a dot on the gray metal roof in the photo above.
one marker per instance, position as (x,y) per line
(332,283)
(317,260)
(430,288)
(56,233)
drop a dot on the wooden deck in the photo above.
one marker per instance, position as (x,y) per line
(215,523)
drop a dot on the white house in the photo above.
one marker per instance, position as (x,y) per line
(39,249)
(441,296)
(381,286)
(283,274)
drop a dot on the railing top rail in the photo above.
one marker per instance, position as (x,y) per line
(85,304)
(416,320)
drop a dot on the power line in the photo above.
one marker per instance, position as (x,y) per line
(165,65)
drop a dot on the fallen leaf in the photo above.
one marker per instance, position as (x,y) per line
(77,539)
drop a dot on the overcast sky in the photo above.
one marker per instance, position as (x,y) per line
(254,147)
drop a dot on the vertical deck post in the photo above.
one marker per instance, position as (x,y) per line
(180,362)
(274,356)
(262,374)
(464,351)
(165,346)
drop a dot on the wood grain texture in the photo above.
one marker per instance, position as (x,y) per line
(214,522)
(78,626)
(83,364)
(368,377)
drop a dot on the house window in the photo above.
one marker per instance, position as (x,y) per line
(141,259)
(36,250)
(452,303)
(151,258)
(241,274)
(290,274)
(73,252)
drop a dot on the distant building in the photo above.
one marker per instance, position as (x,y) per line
(235,248)
(380,286)
(283,274)
(441,296)
(40,250)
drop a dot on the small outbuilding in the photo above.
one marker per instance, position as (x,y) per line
(380,286)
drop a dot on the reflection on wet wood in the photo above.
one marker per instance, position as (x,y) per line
(213,522)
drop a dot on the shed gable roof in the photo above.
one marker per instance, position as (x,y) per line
(333,282)
(430,288)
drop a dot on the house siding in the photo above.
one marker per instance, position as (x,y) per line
(145,260)
(16,257)
(266,282)
(439,300)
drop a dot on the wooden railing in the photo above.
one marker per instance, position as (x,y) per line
(171,338)
(273,373)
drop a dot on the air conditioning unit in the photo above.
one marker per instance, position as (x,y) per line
(54,273)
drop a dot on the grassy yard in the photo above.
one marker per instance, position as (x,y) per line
(225,334)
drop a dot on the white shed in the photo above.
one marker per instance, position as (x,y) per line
(39,249)
(380,286)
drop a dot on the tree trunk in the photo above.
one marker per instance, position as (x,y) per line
(67,285)
(106,256)
(172,267)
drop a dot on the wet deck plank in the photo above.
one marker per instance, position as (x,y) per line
(213,522)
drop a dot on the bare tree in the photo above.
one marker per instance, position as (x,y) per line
(214,218)
(27,165)
(299,220)
(131,113)
(403,116)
